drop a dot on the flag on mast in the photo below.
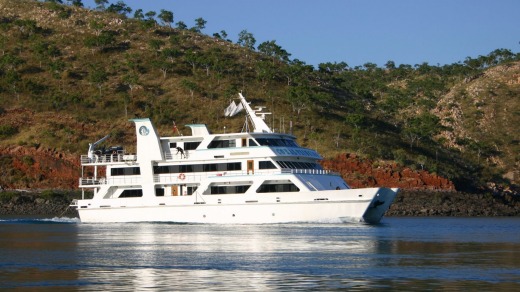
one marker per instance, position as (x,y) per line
(230,109)
(238,109)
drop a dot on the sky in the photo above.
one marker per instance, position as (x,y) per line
(358,31)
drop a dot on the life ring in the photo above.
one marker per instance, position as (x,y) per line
(182,176)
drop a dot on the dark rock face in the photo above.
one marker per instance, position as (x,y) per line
(35,204)
(436,203)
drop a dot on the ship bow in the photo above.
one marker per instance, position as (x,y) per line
(379,205)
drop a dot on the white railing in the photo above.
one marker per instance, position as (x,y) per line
(309,171)
(193,177)
(176,156)
(99,181)
(108,158)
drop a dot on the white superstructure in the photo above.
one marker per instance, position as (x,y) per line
(255,176)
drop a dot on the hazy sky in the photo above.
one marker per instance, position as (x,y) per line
(358,31)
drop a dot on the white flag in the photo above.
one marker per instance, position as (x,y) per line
(230,109)
(237,109)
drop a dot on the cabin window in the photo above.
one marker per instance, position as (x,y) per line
(159,192)
(131,193)
(252,143)
(277,187)
(266,165)
(173,144)
(125,171)
(222,144)
(234,166)
(221,190)
(191,145)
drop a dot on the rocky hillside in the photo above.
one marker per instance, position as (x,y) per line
(69,76)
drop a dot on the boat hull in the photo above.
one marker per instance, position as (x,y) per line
(355,205)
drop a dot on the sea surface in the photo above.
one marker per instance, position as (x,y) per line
(448,254)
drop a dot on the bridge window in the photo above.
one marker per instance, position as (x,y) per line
(222,144)
(266,165)
(277,187)
(131,193)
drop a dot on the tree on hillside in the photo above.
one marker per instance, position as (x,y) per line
(77,3)
(181,25)
(246,40)
(200,24)
(120,8)
(333,68)
(101,42)
(98,76)
(166,17)
(100,4)
(425,125)
(9,64)
(299,97)
(297,69)
(271,49)
(139,15)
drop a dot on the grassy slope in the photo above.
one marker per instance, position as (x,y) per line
(56,102)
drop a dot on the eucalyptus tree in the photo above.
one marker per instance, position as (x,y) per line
(139,15)
(101,4)
(200,24)
(166,17)
(120,8)
(276,52)
(246,39)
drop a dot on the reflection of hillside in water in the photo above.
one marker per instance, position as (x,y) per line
(38,255)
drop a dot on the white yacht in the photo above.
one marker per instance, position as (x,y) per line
(251,177)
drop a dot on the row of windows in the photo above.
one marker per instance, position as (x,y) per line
(219,190)
(125,171)
(232,143)
(298,165)
(277,142)
(222,144)
(197,167)
(275,188)
(213,167)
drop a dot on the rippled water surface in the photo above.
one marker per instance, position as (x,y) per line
(401,254)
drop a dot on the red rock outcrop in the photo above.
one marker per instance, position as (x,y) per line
(365,173)
(38,168)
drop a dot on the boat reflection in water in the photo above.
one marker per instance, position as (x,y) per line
(402,254)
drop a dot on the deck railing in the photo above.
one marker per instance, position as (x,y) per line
(99,181)
(193,177)
(107,158)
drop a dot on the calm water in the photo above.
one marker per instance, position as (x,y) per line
(400,254)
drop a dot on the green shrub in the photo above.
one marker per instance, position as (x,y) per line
(7,131)
(52,195)
(5,197)
(28,160)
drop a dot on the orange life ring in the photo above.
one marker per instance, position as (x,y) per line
(182,176)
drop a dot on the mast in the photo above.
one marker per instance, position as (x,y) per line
(258,123)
